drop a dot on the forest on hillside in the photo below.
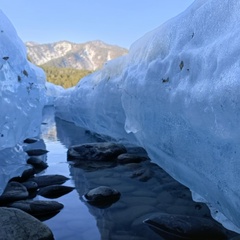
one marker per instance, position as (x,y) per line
(65,77)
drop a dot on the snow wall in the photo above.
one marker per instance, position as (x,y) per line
(177,94)
(22,97)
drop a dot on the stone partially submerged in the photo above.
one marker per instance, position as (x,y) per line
(102,151)
(16,224)
(102,196)
(14,191)
(180,227)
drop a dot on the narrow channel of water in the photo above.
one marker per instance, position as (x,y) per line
(74,221)
(146,190)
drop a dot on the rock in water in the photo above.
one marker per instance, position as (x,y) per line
(54,191)
(103,151)
(180,227)
(25,175)
(36,152)
(37,163)
(102,196)
(30,140)
(47,180)
(38,208)
(16,224)
(14,191)
(31,186)
(126,158)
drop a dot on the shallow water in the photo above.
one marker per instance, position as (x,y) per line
(145,191)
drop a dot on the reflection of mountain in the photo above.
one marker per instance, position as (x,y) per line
(48,127)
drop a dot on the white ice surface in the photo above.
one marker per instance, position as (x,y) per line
(53,91)
(176,94)
(22,97)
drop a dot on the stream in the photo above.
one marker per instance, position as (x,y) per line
(146,190)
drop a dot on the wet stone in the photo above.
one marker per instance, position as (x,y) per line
(54,191)
(102,196)
(30,140)
(36,152)
(37,163)
(90,166)
(171,226)
(14,191)
(30,185)
(16,224)
(28,173)
(130,158)
(37,208)
(143,174)
(137,150)
(103,151)
(47,180)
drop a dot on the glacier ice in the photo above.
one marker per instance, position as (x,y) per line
(176,94)
(22,97)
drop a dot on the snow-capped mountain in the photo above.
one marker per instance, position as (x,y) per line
(90,55)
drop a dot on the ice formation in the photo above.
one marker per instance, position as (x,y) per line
(22,97)
(176,94)
(52,92)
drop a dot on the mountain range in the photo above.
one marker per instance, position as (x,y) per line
(89,56)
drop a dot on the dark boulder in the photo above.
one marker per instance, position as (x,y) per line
(102,196)
(54,191)
(38,208)
(47,180)
(36,152)
(30,185)
(16,224)
(176,227)
(126,158)
(30,140)
(24,176)
(14,191)
(102,151)
(37,163)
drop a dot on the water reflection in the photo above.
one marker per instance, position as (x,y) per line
(145,188)
(74,221)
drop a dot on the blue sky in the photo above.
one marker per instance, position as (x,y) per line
(114,22)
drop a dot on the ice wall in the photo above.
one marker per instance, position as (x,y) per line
(52,92)
(22,96)
(177,94)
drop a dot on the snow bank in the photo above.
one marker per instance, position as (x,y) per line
(53,91)
(176,94)
(22,96)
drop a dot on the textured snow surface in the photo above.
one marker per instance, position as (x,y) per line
(53,91)
(22,96)
(177,94)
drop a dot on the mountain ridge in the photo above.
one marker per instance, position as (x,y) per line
(90,55)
